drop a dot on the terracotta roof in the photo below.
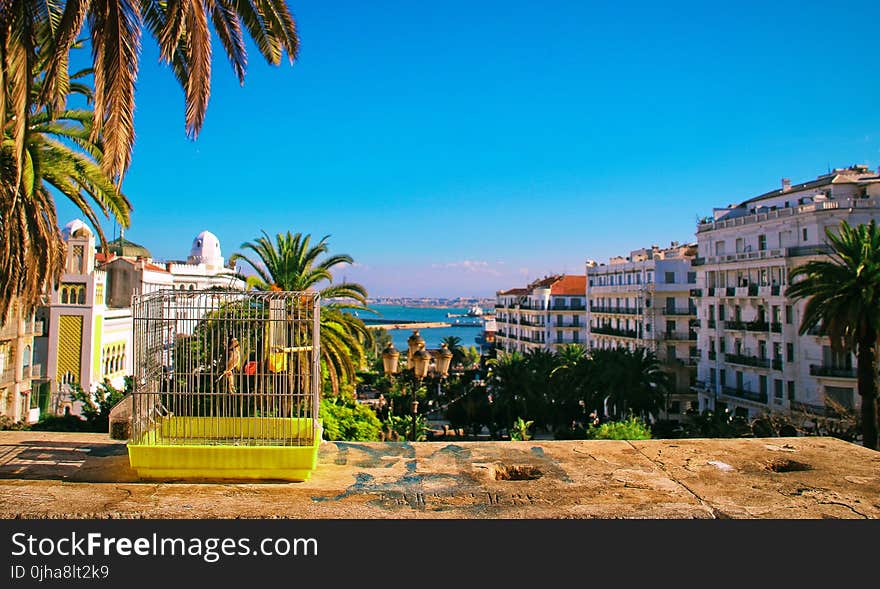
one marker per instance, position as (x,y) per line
(514,291)
(570,285)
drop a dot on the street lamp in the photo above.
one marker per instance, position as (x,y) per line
(420,360)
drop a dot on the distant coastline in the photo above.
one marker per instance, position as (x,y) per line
(434,303)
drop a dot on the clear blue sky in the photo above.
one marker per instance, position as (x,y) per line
(456,148)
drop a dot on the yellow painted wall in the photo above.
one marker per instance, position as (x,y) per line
(70,333)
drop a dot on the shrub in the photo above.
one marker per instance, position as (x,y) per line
(628,429)
(343,419)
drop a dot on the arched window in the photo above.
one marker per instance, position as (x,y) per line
(81,297)
(26,358)
(63,295)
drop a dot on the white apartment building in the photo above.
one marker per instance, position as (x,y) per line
(20,391)
(643,301)
(752,359)
(547,314)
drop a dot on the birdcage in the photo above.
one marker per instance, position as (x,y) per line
(226,385)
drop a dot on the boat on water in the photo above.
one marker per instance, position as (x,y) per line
(475,311)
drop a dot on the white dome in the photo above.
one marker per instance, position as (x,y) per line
(206,250)
(77,226)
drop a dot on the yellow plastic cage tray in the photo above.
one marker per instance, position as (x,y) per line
(227,448)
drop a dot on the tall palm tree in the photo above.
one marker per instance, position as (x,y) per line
(843,301)
(61,154)
(292,262)
(38,35)
(182,29)
(629,380)
(453,344)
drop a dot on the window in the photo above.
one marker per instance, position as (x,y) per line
(26,357)
(777,389)
(650,278)
(762,384)
(762,242)
(789,314)
(789,352)
(692,277)
(711,312)
(791,390)
(712,376)
(777,351)
(805,234)
(670,277)
(740,244)
(721,312)
(840,395)
(719,248)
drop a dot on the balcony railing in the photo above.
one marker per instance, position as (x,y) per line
(616,310)
(747,360)
(808,250)
(833,371)
(711,354)
(678,310)
(630,333)
(678,335)
(696,292)
(744,394)
(567,308)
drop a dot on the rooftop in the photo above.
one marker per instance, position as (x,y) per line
(74,475)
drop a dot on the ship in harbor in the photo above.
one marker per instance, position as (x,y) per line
(475,311)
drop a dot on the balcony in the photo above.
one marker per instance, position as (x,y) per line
(679,310)
(712,354)
(747,360)
(832,371)
(567,308)
(696,292)
(744,394)
(616,310)
(566,325)
(738,325)
(808,250)
(678,335)
(36,371)
(776,327)
(777,364)
(711,324)
(606,330)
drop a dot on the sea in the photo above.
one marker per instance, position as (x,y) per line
(432,336)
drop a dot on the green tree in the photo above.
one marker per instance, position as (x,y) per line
(453,343)
(843,301)
(37,36)
(293,263)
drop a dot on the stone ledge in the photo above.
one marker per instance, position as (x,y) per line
(58,475)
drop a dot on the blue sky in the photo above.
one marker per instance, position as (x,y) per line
(456,148)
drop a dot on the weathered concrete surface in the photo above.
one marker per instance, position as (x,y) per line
(52,475)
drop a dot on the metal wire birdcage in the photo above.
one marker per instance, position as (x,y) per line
(224,369)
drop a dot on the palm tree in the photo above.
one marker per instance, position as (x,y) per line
(629,380)
(843,301)
(37,36)
(182,29)
(292,263)
(62,154)
(453,343)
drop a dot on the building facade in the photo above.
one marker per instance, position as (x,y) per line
(84,341)
(752,359)
(644,301)
(20,392)
(546,314)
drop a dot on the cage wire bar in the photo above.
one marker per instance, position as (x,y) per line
(226,368)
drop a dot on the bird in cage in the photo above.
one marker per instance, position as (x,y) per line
(233,362)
